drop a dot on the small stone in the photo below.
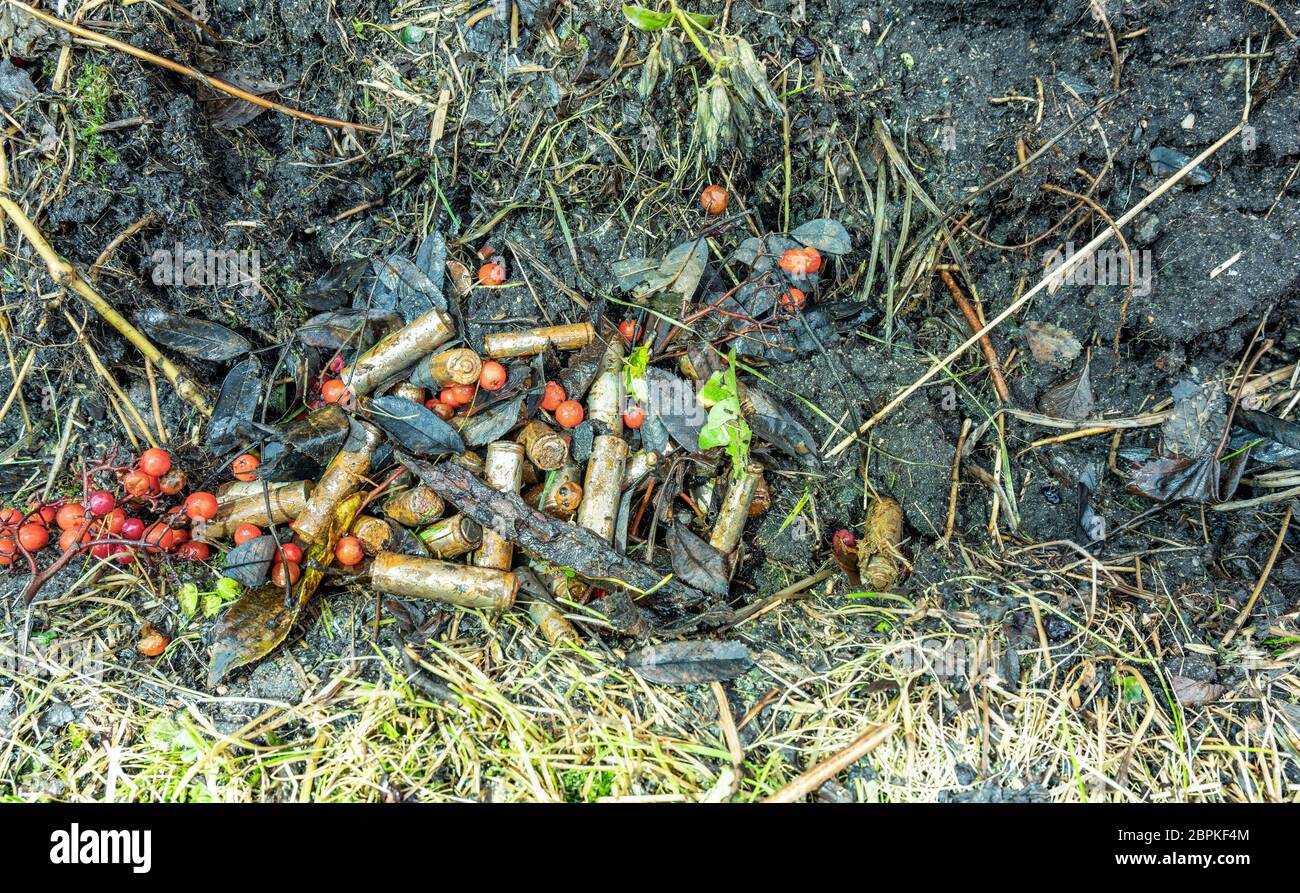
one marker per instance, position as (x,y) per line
(1190,121)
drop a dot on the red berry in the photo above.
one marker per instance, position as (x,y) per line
(132,529)
(201,506)
(70,516)
(194,551)
(10,517)
(801,261)
(138,483)
(714,199)
(290,552)
(334,391)
(8,550)
(34,537)
(245,532)
(155,462)
(630,329)
(492,377)
(554,396)
(793,300)
(441,410)
(349,551)
(113,522)
(279,572)
(172,482)
(491,274)
(244,466)
(634,417)
(569,413)
(100,502)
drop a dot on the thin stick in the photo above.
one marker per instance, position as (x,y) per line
(1263,578)
(185,70)
(18,385)
(986,344)
(66,276)
(127,405)
(951,523)
(62,451)
(827,769)
(153,398)
(1069,264)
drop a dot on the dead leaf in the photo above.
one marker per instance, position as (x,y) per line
(1194,693)
(1052,345)
(1071,399)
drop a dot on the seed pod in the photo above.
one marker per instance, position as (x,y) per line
(375,534)
(534,341)
(605,400)
(452,536)
(562,585)
(603,486)
(399,351)
(544,447)
(452,584)
(415,507)
(451,367)
(288,501)
(730,525)
(345,475)
(503,469)
(878,549)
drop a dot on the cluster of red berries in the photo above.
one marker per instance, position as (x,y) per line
(100,523)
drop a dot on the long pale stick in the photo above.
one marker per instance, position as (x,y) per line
(66,276)
(1058,273)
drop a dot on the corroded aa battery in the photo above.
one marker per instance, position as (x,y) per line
(453,584)
(603,486)
(560,494)
(452,536)
(408,391)
(375,534)
(605,400)
(459,365)
(415,507)
(561,584)
(735,510)
(534,341)
(399,351)
(471,460)
(545,448)
(287,502)
(642,464)
(345,474)
(503,469)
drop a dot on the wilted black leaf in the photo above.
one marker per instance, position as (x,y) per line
(354,329)
(232,417)
(674,402)
(492,423)
(431,258)
(196,338)
(825,235)
(1270,426)
(1164,478)
(1071,399)
(1194,427)
(403,287)
(774,423)
(688,663)
(414,428)
(792,339)
(250,561)
(336,288)
(696,561)
(304,447)
(227,111)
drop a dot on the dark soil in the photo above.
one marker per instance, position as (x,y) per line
(278,184)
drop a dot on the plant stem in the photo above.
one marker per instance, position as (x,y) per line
(685,21)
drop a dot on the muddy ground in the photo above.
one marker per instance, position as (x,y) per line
(958,85)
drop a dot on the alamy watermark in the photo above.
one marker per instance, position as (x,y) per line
(59,657)
(1105,266)
(219,267)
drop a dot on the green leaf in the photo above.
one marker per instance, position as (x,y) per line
(726,425)
(701,20)
(188,596)
(647,19)
(634,372)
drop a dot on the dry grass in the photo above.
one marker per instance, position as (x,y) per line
(530,722)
